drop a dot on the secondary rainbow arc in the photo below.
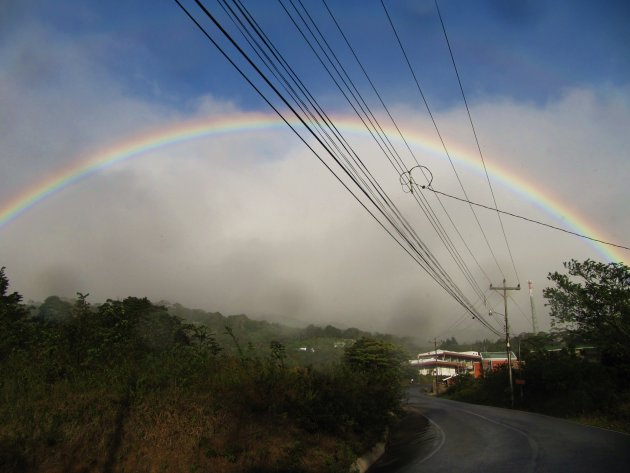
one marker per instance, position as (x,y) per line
(141,144)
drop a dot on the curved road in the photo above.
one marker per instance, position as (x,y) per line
(460,437)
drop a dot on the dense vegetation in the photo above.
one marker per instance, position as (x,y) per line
(130,386)
(312,345)
(590,306)
(479,345)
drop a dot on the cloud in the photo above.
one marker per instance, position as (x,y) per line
(252,223)
(58,103)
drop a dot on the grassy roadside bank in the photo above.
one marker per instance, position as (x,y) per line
(128,387)
(172,430)
(182,411)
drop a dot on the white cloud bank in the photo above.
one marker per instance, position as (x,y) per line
(252,223)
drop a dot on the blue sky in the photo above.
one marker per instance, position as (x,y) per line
(242,217)
(528,50)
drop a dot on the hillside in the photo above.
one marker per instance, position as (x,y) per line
(129,386)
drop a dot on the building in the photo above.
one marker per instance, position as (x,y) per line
(492,360)
(447,363)
(444,363)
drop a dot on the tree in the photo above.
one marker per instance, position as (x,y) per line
(593,301)
(375,357)
(14,327)
(11,308)
(332,332)
(533,344)
(278,352)
(55,309)
(450,344)
(378,368)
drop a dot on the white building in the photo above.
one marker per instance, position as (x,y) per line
(447,363)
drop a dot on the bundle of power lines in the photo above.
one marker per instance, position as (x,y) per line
(231,27)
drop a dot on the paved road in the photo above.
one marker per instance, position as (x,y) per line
(460,437)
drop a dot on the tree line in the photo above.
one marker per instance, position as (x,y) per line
(126,385)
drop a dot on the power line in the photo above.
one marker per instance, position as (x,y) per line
(461,88)
(384,137)
(464,317)
(367,76)
(378,130)
(426,104)
(531,220)
(423,203)
(268,43)
(324,122)
(277,111)
(340,137)
(375,129)
(421,253)
(276,91)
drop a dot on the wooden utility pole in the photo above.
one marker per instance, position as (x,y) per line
(504,289)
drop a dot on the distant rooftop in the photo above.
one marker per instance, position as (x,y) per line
(461,354)
(496,354)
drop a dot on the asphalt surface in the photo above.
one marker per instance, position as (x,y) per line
(447,436)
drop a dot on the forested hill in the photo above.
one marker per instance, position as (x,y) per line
(127,385)
(310,345)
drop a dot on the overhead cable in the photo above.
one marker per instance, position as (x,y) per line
(418,251)
(461,88)
(426,104)
(531,220)
(400,133)
(369,118)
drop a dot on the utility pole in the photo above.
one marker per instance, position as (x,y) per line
(531,303)
(504,289)
(436,366)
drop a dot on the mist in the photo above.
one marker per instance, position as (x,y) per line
(250,222)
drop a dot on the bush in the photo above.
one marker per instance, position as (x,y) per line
(128,385)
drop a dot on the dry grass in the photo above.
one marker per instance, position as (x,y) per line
(166,431)
(181,432)
(64,431)
(618,425)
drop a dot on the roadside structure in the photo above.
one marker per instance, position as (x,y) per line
(491,360)
(447,364)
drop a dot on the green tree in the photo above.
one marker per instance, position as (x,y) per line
(278,352)
(593,301)
(332,332)
(375,356)
(55,309)
(531,345)
(450,344)
(378,369)
(11,308)
(15,330)
(201,337)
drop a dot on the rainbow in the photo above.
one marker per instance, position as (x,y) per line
(137,145)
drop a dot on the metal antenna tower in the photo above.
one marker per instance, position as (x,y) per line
(531,302)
